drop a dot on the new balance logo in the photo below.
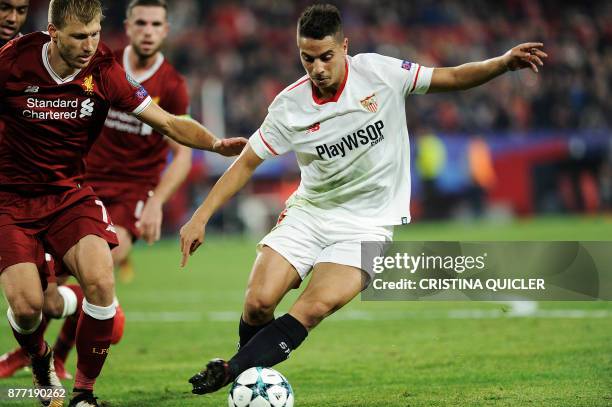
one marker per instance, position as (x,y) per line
(87,108)
(32,89)
(313,128)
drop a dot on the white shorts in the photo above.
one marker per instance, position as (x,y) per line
(305,239)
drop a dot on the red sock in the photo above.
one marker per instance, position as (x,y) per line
(65,339)
(33,343)
(93,340)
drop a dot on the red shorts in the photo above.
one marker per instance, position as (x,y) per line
(31,226)
(124,203)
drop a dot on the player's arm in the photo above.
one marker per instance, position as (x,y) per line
(188,132)
(527,55)
(234,178)
(151,219)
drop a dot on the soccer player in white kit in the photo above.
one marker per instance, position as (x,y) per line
(346,122)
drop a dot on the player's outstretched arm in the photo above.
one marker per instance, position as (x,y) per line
(236,176)
(527,55)
(189,133)
(150,221)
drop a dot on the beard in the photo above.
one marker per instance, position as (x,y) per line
(145,54)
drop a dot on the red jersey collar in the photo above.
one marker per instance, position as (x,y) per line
(335,98)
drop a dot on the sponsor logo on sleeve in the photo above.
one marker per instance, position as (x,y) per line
(407,65)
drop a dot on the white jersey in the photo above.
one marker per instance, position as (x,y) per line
(353,150)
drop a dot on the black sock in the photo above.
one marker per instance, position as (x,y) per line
(246,331)
(270,346)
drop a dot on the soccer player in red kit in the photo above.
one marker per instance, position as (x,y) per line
(13,14)
(124,168)
(55,90)
(125,165)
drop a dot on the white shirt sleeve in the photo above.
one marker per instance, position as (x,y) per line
(271,139)
(409,77)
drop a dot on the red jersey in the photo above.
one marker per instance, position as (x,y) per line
(129,152)
(51,122)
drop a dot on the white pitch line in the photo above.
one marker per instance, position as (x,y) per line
(178,316)
(357,315)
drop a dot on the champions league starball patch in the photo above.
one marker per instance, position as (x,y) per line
(141,93)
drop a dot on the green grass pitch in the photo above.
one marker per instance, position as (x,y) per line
(368,354)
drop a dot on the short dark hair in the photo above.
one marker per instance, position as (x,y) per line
(320,20)
(84,11)
(146,3)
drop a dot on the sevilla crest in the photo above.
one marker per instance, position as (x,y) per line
(370,103)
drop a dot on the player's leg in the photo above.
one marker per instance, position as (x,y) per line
(21,255)
(271,278)
(337,278)
(20,284)
(121,255)
(330,288)
(56,300)
(125,208)
(81,236)
(122,251)
(63,301)
(91,263)
(60,302)
(23,290)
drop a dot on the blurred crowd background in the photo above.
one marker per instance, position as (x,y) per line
(520,145)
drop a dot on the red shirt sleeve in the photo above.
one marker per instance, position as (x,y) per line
(177,100)
(123,92)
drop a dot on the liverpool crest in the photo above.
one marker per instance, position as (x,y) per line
(88,85)
(370,103)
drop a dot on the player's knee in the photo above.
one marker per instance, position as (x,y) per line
(258,308)
(53,306)
(27,309)
(100,290)
(312,312)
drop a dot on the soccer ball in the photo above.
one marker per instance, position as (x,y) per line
(260,387)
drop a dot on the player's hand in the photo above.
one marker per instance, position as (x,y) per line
(192,237)
(527,55)
(229,146)
(150,221)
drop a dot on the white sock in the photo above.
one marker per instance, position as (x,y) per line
(97,312)
(11,318)
(70,300)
